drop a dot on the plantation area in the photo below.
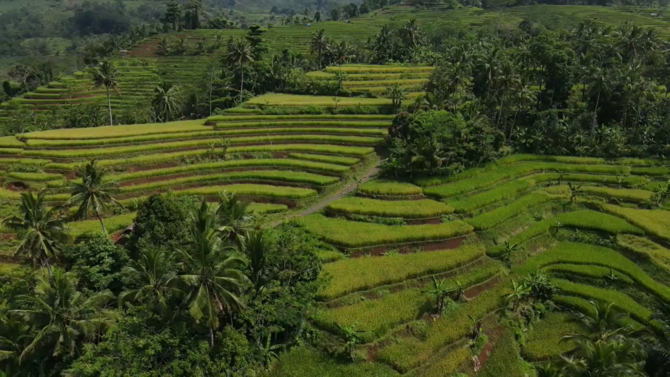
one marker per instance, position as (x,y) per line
(392,190)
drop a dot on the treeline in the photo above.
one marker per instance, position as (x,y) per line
(593,91)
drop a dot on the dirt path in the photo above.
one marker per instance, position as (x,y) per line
(349,188)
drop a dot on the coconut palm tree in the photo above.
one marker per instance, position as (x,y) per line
(105,75)
(601,323)
(166,101)
(211,271)
(507,251)
(616,357)
(233,217)
(70,315)
(41,231)
(397,94)
(520,292)
(320,45)
(157,278)
(240,55)
(253,246)
(94,193)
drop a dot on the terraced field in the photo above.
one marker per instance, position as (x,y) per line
(392,238)
(375,79)
(278,161)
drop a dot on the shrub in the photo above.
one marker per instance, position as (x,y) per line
(354,234)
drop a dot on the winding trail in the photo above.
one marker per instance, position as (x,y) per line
(349,188)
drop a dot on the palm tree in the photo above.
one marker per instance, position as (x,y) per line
(601,323)
(575,192)
(519,293)
(320,45)
(94,193)
(396,93)
(507,251)
(616,357)
(156,276)
(70,314)
(239,55)
(166,101)
(233,217)
(105,75)
(253,246)
(40,230)
(440,291)
(411,34)
(212,271)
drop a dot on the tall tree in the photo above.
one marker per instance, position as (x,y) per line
(239,56)
(166,101)
(41,231)
(320,45)
(105,75)
(212,272)
(70,315)
(156,276)
(94,193)
(233,217)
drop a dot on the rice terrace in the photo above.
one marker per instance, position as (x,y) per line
(381,188)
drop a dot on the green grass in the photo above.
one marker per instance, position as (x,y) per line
(357,274)
(414,209)
(266,208)
(588,270)
(544,340)
(409,352)
(634,195)
(152,159)
(252,190)
(620,300)
(35,177)
(118,131)
(23,161)
(298,117)
(112,224)
(446,366)
(308,362)
(273,99)
(346,161)
(502,192)
(586,254)
(253,175)
(651,250)
(200,143)
(352,234)
(505,359)
(656,222)
(376,317)
(305,126)
(222,165)
(10,142)
(381,187)
(493,218)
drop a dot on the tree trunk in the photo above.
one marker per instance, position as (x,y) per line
(242,84)
(595,115)
(211,85)
(109,106)
(45,263)
(211,337)
(101,222)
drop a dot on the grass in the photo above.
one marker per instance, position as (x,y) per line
(447,366)
(634,195)
(620,300)
(493,218)
(113,224)
(656,222)
(357,274)
(588,270)
(353,234)
(298,117)
(379,187)
(252,190)
(254,175)
(366,127)
(222,165)
(376,317)
(35,177)
(409,352)
(118,131)
(415,209)
(586,254)
(308,362)
(153,159)
(346,161)
(199,143)
(544,340)
(505,359)
(502,192)
(642,246)
(266,208)
(10,142)
(273,99)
